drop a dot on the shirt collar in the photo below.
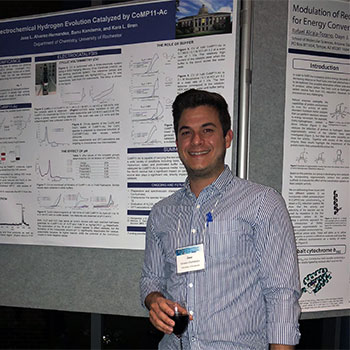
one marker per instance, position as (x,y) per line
(220,184)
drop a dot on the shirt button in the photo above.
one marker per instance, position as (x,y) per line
(191,312)
(190,285)
(198,206)
(193,339)
(193,230)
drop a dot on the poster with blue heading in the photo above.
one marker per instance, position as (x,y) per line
(316,165)
(86,136)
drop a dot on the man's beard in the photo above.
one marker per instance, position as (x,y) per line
(208,171)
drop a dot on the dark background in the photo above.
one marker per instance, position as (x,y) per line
(22,328)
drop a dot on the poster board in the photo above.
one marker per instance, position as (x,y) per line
(316,173)
(267,131)
(85,116)
(86,135)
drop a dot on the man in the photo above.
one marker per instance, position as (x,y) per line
(224,244)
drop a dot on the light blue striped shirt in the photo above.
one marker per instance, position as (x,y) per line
(247,295)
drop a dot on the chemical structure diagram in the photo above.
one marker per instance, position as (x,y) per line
(320,158)
(341,111)
(303,156)
(339,157)
(314,282)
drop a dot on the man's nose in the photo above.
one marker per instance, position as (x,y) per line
(196,138)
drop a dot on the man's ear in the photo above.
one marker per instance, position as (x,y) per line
(228,138)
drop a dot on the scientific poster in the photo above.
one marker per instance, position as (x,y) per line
(86,137)
(316,149)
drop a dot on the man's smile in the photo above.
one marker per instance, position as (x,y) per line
(199,153)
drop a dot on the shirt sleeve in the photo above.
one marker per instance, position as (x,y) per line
(152,276)
(278,267)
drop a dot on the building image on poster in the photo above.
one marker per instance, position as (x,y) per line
(316,149)
(86,134)
(213,18)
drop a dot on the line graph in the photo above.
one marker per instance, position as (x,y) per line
(72,97)
(2,122)
(146,108)
(48,174)
(93,94)
(20,222)
(149,115)
(145,135)
(101,95)
(146,90)
(144,65)
(104,204)
(75,200)
(55,204)
(46,140)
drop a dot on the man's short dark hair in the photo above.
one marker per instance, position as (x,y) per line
(194,98)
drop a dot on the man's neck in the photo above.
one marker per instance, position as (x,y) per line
(197,184)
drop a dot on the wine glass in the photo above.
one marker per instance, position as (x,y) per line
(181,319)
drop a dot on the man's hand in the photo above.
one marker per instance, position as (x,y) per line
(160,309)
(281,347)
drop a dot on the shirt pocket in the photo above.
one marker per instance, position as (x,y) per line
(229,238)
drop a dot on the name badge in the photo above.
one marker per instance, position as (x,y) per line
(190,258)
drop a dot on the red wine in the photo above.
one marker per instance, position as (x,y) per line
(181,322)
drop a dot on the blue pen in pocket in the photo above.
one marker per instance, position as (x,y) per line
(209,218)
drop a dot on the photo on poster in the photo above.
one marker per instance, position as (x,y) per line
(45,79)
(195,18)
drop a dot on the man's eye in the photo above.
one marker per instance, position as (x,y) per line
(184,133)
(208,130)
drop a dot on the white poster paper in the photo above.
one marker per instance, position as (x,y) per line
(86,137)
(316,149)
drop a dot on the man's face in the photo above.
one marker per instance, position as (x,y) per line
(200,142)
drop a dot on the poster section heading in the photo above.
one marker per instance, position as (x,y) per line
(87,29)
(79,55)
(316,29)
